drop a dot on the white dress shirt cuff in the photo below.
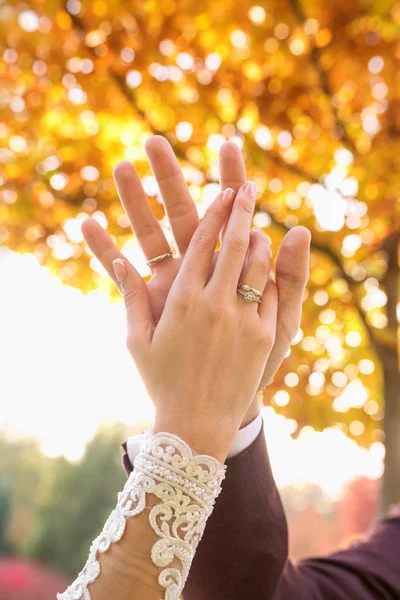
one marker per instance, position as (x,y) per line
(244,438)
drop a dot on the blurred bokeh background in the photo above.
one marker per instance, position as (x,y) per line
(311,93)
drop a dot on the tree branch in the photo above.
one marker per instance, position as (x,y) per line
(323,78)
(391,278)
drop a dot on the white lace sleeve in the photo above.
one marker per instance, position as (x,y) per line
(186,485)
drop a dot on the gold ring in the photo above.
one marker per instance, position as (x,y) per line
(250,295)
(247,288)
(159,258)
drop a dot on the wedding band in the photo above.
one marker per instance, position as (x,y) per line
(247,288)
(250,294)
(159,258)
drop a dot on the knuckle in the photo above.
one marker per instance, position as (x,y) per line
(238,244)
(180,210)
(203,241)
(216,212)
(217,310)
(262,268)
(245,205)
(218,306)
(147,229)
(183,298)
(181,302)
(130,297)
(292,277)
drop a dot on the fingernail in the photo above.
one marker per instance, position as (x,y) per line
(119,269)
(257,231)
(250,189)
(227,196)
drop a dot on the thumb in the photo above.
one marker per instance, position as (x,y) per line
(137,304)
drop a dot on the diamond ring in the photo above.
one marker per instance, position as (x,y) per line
(250,294)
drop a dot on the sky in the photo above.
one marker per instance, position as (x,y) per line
(64,371)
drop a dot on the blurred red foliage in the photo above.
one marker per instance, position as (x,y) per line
(26,580)
(337,524)
(358,508)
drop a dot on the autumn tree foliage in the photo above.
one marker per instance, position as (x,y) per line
(309,90)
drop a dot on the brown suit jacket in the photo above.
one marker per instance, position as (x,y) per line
(243,554)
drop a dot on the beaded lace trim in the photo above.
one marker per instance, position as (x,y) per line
(187,486)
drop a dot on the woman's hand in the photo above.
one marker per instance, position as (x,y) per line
(203,361)
(292,263)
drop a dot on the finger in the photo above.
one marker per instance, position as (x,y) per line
(197,261)
(256,272)
(292,271)
(268,311)
(147,229)
(137,304)
(101,245)
(181,210)
(236,240)
(232,170)
(231,166)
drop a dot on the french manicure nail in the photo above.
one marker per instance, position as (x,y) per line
(250,189)
(227,196)
(119,269)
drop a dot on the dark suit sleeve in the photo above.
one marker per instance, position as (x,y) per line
(369,570)
(243,553)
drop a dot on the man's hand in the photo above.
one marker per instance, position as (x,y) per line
(292,265)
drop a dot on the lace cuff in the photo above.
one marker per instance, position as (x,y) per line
(186,485)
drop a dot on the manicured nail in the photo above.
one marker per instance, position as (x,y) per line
(250,189)
(119,269)
(227,196)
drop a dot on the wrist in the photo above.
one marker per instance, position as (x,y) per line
(202,437)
